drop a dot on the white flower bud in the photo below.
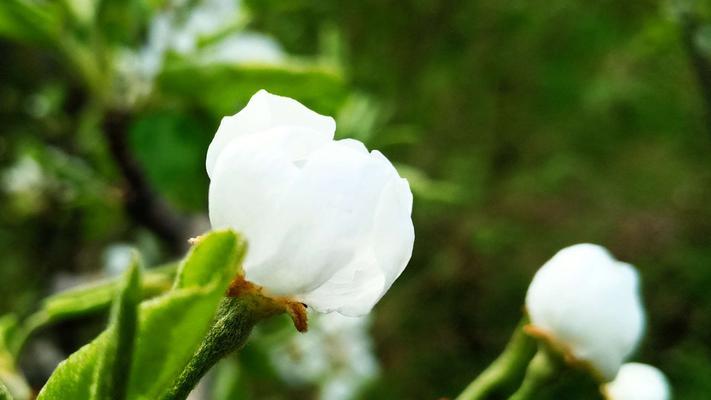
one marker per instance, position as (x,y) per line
(587,303)
(328,223)
(637,381)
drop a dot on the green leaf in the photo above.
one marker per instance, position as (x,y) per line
(112,373)
(29,21)
(122,20)
(170,327)
(206,263)
(74,376)
(170,144)
(88,300)
(222,89)
(96,297)
(11,380)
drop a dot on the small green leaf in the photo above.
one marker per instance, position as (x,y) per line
(112,373)
(205,264)
(96,297)
(170,327)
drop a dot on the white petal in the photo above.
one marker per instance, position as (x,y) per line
(394,234)
(325,219)
(637,381)
(589,302)
(355,289)
(352,291)
(263,112)
(248,183)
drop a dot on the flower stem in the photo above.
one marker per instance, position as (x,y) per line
(236,316)
(540,372)
(510,365)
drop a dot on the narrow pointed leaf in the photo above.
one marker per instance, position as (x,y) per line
(112,373)
(96,297)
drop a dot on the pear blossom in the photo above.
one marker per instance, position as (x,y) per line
(328,223)
(637,381)
(587,303)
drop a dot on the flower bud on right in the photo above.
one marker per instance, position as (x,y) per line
(586,303)
(637,381)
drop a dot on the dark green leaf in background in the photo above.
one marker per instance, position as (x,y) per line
(224,89)
(121,21)
(29,21)
(171,147)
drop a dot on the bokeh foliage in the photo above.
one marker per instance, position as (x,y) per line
(523,128)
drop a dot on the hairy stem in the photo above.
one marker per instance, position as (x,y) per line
(508,367)
(236,316)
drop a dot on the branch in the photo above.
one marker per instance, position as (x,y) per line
(702,66)
(144,205)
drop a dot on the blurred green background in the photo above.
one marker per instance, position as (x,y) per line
(523,127)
